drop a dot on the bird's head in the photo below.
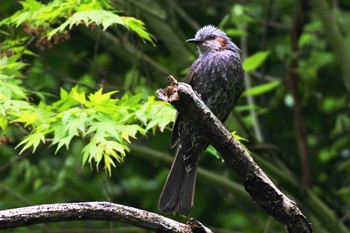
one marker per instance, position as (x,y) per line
(210,39)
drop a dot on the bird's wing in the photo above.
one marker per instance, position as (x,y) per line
(191,76)
(175,132)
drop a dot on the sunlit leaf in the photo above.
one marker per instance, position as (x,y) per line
(254,61)
(78,96)
(137,26)
(261,89)
(27,118)
(3,123)
(331,104)
(98,17)
(130,131)
(32,140)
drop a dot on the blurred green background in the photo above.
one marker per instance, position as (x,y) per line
(295,113)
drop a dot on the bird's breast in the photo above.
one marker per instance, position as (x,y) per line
(218,80)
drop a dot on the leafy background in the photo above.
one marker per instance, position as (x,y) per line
(79,120)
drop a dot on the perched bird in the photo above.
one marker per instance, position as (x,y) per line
(217,77)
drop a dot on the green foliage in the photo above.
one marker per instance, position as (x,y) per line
(254,61)
(260,89)
(109,123)
(41,19)
(10,86)
(106,122)
(103,18)
(332,103)
(12,94)
(87,93)
(314,45)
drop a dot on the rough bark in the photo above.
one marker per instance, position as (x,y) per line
(94,211)
(255,181)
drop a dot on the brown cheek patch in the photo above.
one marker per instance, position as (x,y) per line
(222,41)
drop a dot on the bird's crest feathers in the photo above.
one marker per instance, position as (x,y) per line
(207,31)
(210,32)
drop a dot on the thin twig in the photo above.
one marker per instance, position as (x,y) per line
(300,20)
(250,99)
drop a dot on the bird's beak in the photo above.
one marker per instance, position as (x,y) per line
(194,41)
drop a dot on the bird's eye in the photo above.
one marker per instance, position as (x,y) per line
(211,37)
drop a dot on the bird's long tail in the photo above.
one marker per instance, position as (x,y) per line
(178,192)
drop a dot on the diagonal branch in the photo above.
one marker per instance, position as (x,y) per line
(255,181)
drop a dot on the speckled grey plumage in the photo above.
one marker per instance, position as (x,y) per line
(217,76)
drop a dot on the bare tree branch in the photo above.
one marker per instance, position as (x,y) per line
(255,181)
(94,211)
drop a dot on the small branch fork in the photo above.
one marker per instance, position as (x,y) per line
(255,181)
